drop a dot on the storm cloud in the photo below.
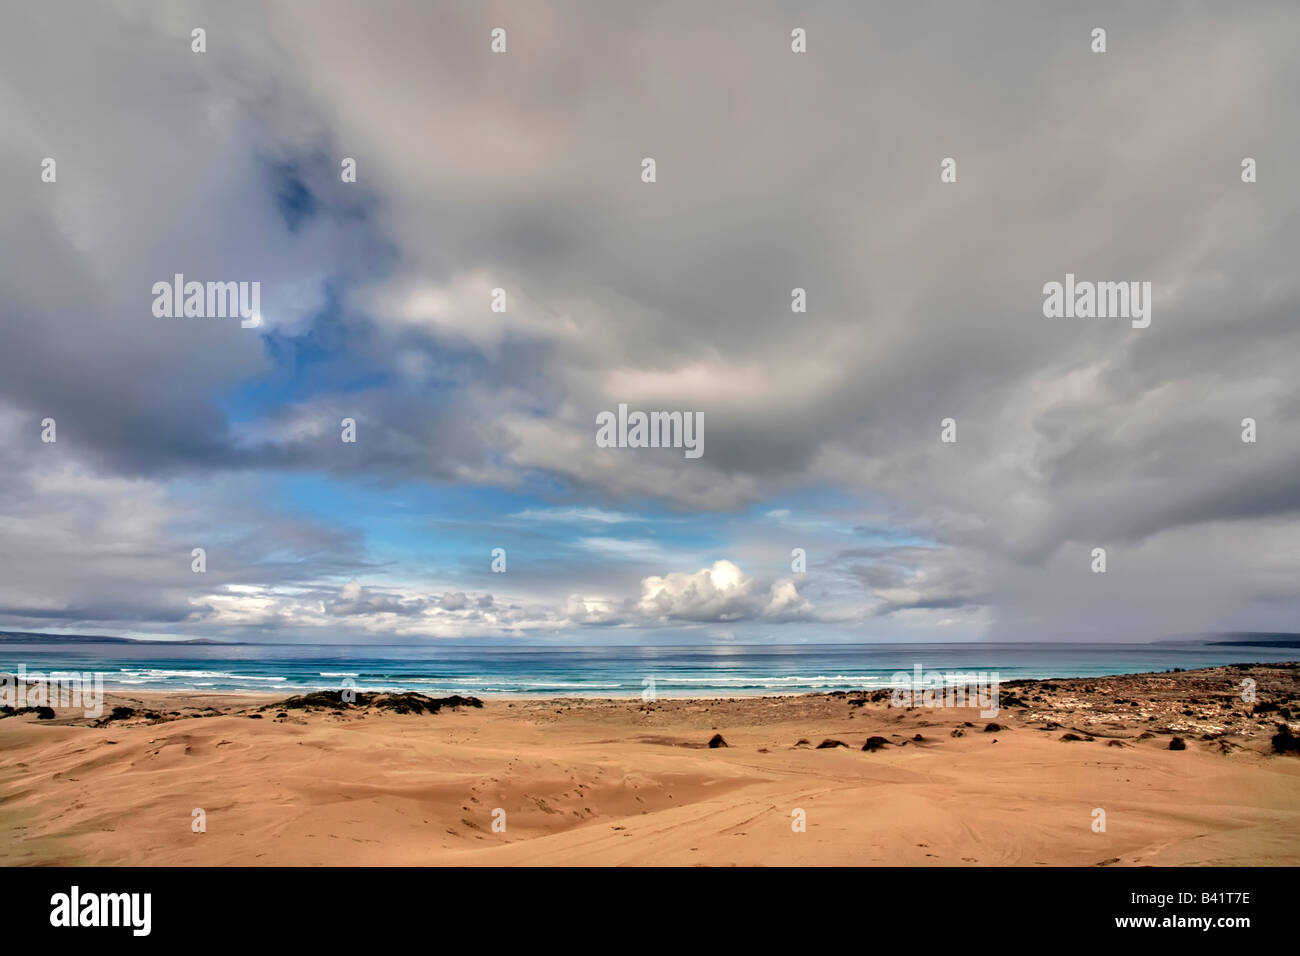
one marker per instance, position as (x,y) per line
(775,171)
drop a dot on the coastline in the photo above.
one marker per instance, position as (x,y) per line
(618,781)
(603,672)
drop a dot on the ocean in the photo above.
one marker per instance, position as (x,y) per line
(700,671)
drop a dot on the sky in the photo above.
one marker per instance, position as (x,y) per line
(522,170)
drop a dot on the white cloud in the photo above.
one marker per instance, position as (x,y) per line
(721,592)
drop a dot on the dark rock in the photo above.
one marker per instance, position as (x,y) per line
(1177,743)
(917,737)
(409,703)
(1070,737)
(1285,742)
(1115,743)
(875,743)
(716,741)
(42,713)
(416,703)
(993,728)
(827,744)
(332,699)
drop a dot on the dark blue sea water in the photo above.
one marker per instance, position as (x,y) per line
(711,671)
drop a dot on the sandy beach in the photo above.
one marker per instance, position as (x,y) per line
(604,782)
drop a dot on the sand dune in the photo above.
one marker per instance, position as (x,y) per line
(615,782)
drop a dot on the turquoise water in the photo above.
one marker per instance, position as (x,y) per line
(729,671)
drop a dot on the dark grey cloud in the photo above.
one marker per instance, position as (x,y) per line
(775,171)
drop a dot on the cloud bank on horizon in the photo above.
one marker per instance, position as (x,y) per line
(825,505)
